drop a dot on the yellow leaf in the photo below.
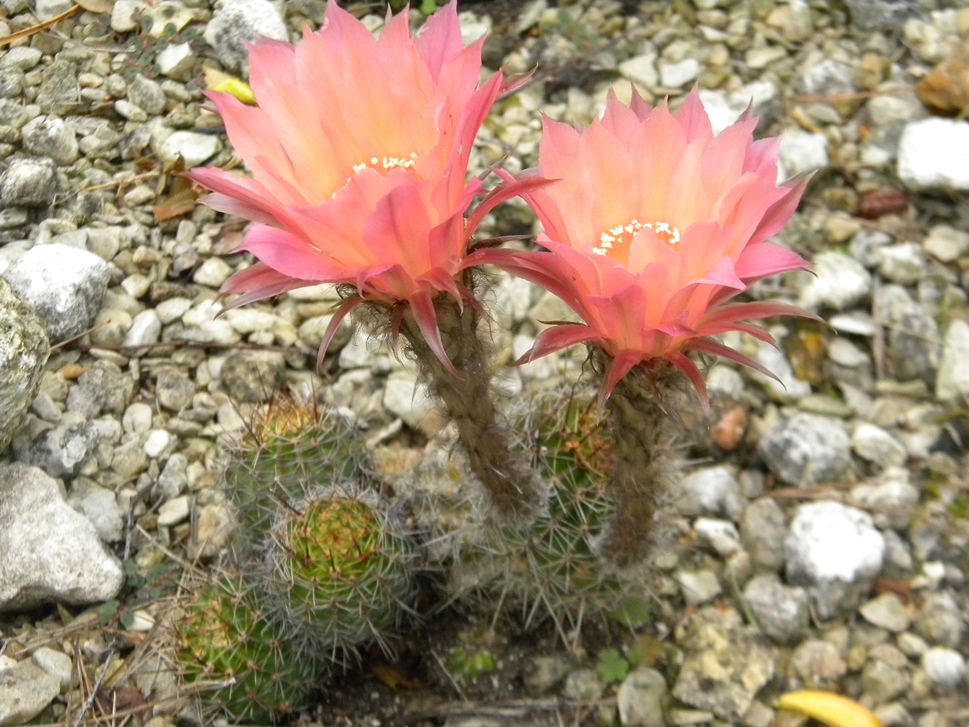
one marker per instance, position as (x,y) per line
(223,82)
(829,708)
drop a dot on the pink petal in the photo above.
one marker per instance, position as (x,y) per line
(616,370)
(291,255)
(256,283)
(422,307)
(705,345)
(767,258)
(556,338)
(689,369)
(345,308)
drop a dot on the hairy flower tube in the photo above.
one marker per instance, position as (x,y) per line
(358,149)
(652,224)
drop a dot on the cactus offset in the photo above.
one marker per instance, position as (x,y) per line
(554,568)
(291,447)
(342,571)
(241,659)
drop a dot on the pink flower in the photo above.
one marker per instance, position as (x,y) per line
(358,150)
(652,224)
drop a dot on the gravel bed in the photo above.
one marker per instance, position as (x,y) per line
(818,538)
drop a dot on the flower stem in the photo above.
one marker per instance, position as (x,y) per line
(643,426)
(515,492)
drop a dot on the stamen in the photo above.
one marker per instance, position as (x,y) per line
(624,234)
(382,164)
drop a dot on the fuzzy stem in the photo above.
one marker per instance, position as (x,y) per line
(643,426)
(514,491)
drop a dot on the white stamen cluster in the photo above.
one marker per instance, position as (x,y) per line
(385,163)
(624,233)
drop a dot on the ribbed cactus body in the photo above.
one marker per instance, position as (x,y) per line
(291,447)
(240,658)
(341,569)
(553,569)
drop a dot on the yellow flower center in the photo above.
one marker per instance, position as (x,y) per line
(616,237)
(381,164)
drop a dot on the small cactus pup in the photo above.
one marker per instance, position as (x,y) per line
(239,658)
(290,446)
(342,570)
(554,568)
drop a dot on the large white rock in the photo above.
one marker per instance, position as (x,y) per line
(48,551)
(835,552)
(934,153)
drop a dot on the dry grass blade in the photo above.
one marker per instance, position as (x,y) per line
(33,29)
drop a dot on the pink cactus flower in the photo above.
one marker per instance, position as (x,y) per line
(652,224)
(358,149)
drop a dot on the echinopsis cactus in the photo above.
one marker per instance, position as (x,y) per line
(291,446)
(341,570)
(240,658)
(554,568)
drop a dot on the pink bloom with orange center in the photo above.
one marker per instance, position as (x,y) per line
(652,224)
(358,149)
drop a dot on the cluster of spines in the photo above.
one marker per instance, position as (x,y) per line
(319,566)
(240,658)
(554,568)
(342,570)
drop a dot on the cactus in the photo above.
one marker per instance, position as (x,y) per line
(553,569)
(342,571)
(239,658)
(290,447)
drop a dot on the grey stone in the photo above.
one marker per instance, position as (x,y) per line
(173,388)
(406,398)
(817,662)
(64,285)
(583,686)
(940,620)
(903,264)
(891,495)
(252,376)
(828,77)
(783,385)
(28,182)
(11,83)
(61,451)
(173,478)
(721,535)
(801,152)
(59,89)
(807,450)
(25,691)
(145,329)
(192,147)
(177,61)
(125,15)
(174,511)
(50,552)
(56,663)
(762,527)
(781,611)
(839,282)
(674,75)
(50,137)
(835,552)
(23,352)
(147,95)
(869,15)
(952,383)
(100,507)
(883,682)
(934,154)
(711,491)
(130,458)
(946,243)
(641,69)
(640,699)
(239,21)
(914,346)
(875,445)
(103,387)
(887,612)
(23,58)
(698,587)
(946,667)
(723,669)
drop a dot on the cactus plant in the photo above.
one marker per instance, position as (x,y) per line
(342,570)
(241,659)
(553,569)
(291,446)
